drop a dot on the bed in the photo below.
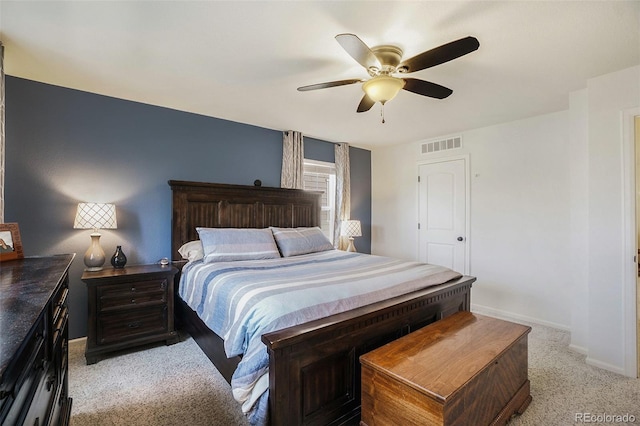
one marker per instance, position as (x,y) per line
(314,372)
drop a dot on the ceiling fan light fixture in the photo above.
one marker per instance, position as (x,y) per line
(383,88)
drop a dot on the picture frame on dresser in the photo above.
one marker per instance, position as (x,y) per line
(10,242)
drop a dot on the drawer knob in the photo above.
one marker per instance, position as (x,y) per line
(134,324)
(133,300)
(133,289)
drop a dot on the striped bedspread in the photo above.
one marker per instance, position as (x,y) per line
(242,300)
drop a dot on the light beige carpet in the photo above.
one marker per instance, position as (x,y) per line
(567,391)
(161,385)
(178,385)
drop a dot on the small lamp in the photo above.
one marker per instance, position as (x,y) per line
(351,228)
(95,216)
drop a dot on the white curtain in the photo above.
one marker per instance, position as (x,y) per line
(292,160)
(2,162)
(343,194)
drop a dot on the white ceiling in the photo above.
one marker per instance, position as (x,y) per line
(243,60)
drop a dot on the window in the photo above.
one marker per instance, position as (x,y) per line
(321,176)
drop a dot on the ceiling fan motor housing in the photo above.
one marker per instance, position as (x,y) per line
(389,57)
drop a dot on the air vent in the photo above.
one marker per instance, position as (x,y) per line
(453,142)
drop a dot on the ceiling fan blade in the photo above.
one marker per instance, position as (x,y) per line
(329,84)
(365,104)
(426,88)
(440,55)
(358,50)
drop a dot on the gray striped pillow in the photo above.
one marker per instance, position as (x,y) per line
(227,244)
(296,241)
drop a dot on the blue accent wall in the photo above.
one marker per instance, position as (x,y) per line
(360,164)
(65,146)
(315,149)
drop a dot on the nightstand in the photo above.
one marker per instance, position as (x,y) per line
(129,307)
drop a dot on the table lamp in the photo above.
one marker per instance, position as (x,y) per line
(95,216)
(350,229)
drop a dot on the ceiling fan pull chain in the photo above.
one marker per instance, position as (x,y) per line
(382,113)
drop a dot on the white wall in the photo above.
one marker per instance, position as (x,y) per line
(609,96)
(394,212)
(578,261)
(547,217)
(520,214)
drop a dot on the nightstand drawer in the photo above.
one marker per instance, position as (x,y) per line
(139,323)
(129,307)
(116,296)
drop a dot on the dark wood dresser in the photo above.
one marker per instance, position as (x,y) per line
(465,369)
(129,307)
(34,341)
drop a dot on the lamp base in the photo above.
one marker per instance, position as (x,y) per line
(94,268)
(94,256)
(351,247)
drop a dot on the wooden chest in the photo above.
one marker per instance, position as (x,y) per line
(466,369)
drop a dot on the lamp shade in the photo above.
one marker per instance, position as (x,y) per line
(382,88)
(351,228)
(95,216)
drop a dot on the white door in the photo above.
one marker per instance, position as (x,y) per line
(442,214)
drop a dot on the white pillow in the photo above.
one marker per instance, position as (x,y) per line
(192,251)
(227,244)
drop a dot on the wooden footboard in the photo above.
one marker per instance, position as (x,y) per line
(314,372)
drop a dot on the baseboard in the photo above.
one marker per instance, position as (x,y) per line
(510,316)
(605,366)
(578,349)
(78,339)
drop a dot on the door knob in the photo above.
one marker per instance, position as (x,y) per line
(460,239)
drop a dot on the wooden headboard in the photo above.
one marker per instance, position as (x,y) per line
(215,205)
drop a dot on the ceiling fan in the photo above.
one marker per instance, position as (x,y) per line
(381,62)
